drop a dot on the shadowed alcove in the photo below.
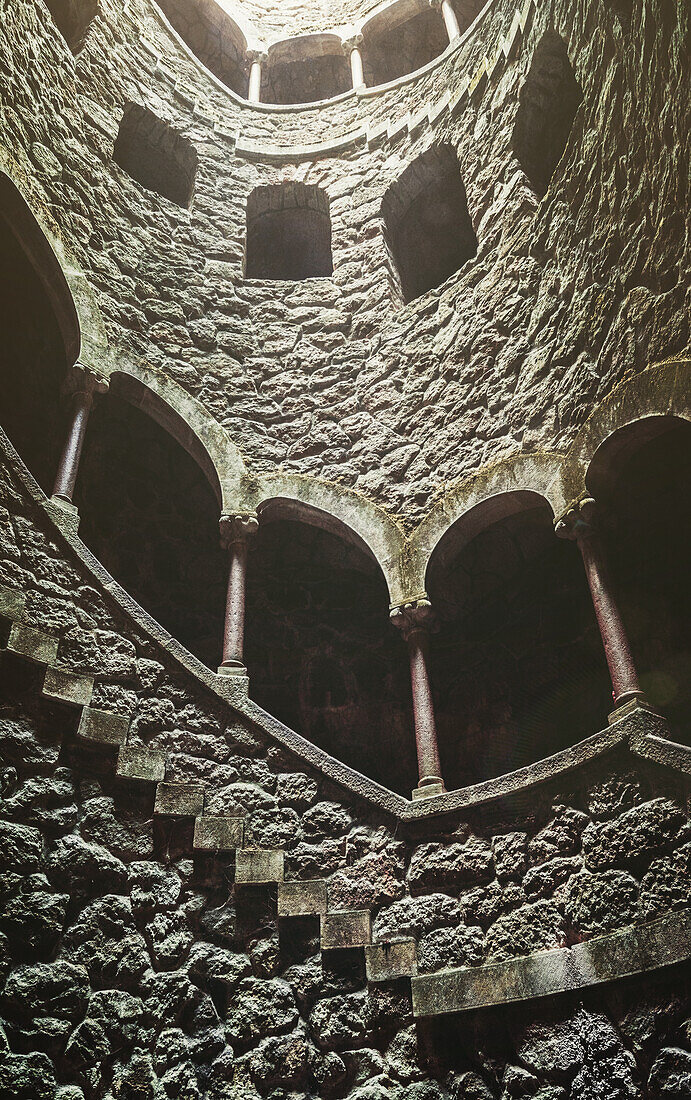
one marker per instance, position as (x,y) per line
(548,102)
(518,669)
(305,69)
(321,653)
(401,39)
(427,226)
(288,233)
(151,517)
(640,478)
(33,360)
(213,36)
(73,19)
(156,155)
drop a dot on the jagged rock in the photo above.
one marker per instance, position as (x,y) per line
(536,927)
(207,963)
(542,881)
(34,918)
(45,801)
(169,995)
(601,902)
(416,916)
(310,981)
(119,829)
(372,881)
(85,868)
(615,793)
(278,827)
(280,1061)
(484,904)
(510,855)
(260,1007)
(265,957)
(169,939)
(450,866)
(20,846)
(670,1076)
(337,1023)
(44,1001)
(27,1077)
(448,947)
(467,1086)
(327,819)
(206,1034)
(316,860)
(518,1082)
(152,886)
(665,884)
(404,1059)
(27,745)
(135,1078)
(111,1023)
(562,836)
(328,1071)
(636,835)
(296,789)
(105,940)
(362,1065)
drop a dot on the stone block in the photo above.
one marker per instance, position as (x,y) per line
(68,687)
(33,644)
(103,726)
(11,603)
(346,928)
(179,800)
(302,899)
(384,962)
(258,865)
(218,834)
(430,790)
(145,765)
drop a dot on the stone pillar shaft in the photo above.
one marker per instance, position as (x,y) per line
(579,524)
(451,23)
(255,81)
(235,532)
(356,69)
(415,622)
(68,466)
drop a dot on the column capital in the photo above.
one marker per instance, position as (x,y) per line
(260,56)
(579,521)
(237,527)
(354,42)
(80,379)
(414,617)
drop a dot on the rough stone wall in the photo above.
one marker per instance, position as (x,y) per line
(134,970)
(562,301)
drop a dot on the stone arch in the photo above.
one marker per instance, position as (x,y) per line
(306,69)
(548,102)
(288,232)
(427,226)
(214,36)
(400,38)
(73,18)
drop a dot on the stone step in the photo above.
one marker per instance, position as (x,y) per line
(12,603)
(103,726)
(33,644)
(142,764)
(384,962)
(255,866)
(343,928)
(305,898)
(179,800)
(218,834)
(68,687)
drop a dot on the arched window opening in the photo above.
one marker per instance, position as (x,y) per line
(151,517)
(33,360)
(288,233)
(320,651)
(156,155)
(304,70)
(428,230)
(548,102)
(73,19)
(213,37)
(517,666)
(640,479)
(401,40)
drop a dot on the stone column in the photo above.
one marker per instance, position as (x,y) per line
(256,60)
(352,50)
(81,401)
(580,525)
(416,621)
(236,529)
(453,29)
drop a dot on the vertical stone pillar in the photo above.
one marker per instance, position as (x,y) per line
(416,621)
(451,23)
(82,388)
(256,60)
(352,50)
(236,529)
(580,525)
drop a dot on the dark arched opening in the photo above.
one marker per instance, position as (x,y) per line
(40,336)
(548,102)
(518,668)
(304,70)
(640,478)
(288,233)
(73,19)
(401,40)
(428,230)
(156,155)
(213,37)
(320,650)
(151,517)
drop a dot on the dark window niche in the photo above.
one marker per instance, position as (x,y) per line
(73,19)
(288,233)
(156,155)
(305,70)
(428,229)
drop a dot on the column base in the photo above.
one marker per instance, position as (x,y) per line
(627,703)
(231,670)
(65,514)
(428,790)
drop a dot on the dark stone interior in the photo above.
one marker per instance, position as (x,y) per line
(428,227)
(548,103)
(646,500)
(150,516)
(213,37)
(390,52)
(32,362)
(305,80)
(518,669)
(155,155)
(322,654)
(293,243)
(73,19)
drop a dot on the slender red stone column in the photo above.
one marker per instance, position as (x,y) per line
(68,468)
(352,50)
(580,525)
(235,529)
(416,621)
(451,23)
(256,60)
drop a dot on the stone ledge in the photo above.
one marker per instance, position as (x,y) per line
(218,834)
(179,800)
(103,726)
(68,687)
(28,642)
(142,764)
(258,866)
(344,928)
(634,950)
(306,898)
(12,603)
(384,962)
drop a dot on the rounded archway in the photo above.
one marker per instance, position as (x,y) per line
(320,651)
(517,665)
(640,477)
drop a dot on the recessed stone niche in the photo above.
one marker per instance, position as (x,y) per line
(288,233)
(156,155)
